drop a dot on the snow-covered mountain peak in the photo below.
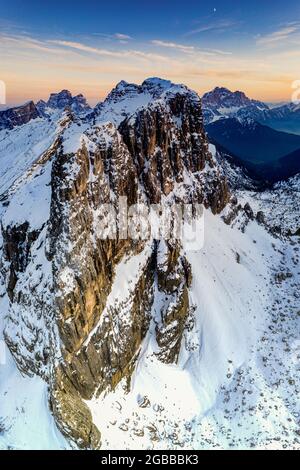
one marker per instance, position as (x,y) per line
(122,86)
(80,104)
(160,88)
(122,90)
(128,98)
(60,100)
(156,86)
(221,97)
(221,102)
(18,115)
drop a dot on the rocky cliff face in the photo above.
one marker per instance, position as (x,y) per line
(17,116)
(81,304)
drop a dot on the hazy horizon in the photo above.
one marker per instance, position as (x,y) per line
(96,100)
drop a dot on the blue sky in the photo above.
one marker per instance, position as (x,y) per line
(90,45)
(144,18)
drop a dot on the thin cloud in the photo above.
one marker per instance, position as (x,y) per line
(219,52)
(279,36)
(217,26)
(173,45)
(25,42)
(82,47)
(109,53)
(122,37)
(189,49)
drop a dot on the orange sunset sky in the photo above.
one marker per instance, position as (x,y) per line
(206,45)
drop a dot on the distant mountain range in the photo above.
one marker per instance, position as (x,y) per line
(19,115)
(266,140)
(283,118)
(222,103)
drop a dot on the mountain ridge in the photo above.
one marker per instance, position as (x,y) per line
(222,103)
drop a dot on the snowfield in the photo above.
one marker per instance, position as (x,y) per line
(282,203)
(22,146)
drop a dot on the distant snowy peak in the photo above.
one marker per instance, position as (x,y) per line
(19,115)
(128,98)
(60,100)
(79,103)
(222,103)
(224,98)
(65,99)
(41,106)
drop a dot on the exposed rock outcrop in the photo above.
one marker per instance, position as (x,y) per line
(18,116)
(174,277)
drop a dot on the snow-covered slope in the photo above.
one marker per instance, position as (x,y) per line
(235,385)
(280,205)
(25,419)
(21,146)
